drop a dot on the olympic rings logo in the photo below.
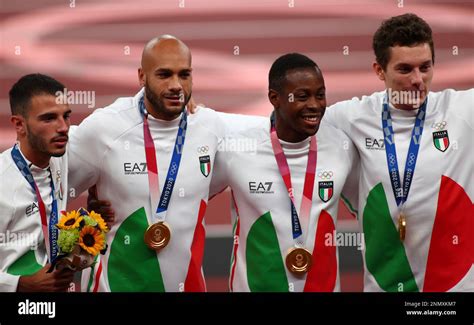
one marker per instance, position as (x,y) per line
(174,167)
(325,175)
(411,159)
(391,159)
(203,149)
(439,126)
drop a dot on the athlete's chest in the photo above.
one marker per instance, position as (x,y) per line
(126,165)
(257,181)
(441,137)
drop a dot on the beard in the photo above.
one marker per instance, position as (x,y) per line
(157,102)
(41,145)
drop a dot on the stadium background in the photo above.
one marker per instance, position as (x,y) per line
(96,46)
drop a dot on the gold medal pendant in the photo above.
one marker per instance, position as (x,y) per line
(157,236)
(402,226)
(298,261)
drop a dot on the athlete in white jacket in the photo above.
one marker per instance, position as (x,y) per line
(154,163)
(33,182)
(283,244)
(416,184)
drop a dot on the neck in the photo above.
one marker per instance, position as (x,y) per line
(37,158)
(286,134)
(153,111)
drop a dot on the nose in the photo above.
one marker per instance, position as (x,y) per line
(174,84)
(63,125)
(316,103)
(416,77)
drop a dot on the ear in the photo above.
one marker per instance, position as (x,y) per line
(141,77)
(274,98)
(19,123)
(378,70)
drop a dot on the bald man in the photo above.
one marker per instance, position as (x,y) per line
(154,163)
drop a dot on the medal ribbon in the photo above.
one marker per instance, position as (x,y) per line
(50,232)
(401,191)
(306,200)
(152,166)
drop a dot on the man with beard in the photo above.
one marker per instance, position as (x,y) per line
(154,163)
(33,181)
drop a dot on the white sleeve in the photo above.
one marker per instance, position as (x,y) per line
(350,191)
(462,103)
(236,123)
(8,282)
(220,178)
(339,115)
(84,157)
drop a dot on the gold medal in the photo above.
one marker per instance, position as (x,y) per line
(402,226)
(157,236)
(298,261)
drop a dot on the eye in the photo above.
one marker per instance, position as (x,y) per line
(301,96)
(425,68)
(47,118)
(163,75)
(321,96)
(404,69)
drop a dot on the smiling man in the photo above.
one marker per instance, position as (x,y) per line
(286,193)
(33,184)
(416,185)
(154,163)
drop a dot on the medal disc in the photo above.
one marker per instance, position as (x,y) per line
(157,236)
(298,261)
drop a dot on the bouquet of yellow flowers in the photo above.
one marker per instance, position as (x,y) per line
(81,239)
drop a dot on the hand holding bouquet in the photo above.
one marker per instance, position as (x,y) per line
(81,239)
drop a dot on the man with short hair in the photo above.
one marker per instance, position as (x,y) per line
(286,192)
(154,163)
(32,193)
(416,188)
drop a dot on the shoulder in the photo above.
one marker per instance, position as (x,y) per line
(454,102)
(360,103)
(329,134)
(345,113)
(258,130)
(109,122)
(7,166)
(206,120)
(225,124)
(11,176)
(451,98)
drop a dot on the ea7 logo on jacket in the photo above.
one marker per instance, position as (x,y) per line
(374,144)
(31,209)
(260,187)
(130,168)
(325,190)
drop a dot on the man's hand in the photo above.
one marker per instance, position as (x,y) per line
(100,206)
(57,280)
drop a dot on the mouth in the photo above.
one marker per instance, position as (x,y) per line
(312,119)
(61,141)
(174,100)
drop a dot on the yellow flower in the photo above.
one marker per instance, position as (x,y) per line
(98,218)
(92,240)
(71,220)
